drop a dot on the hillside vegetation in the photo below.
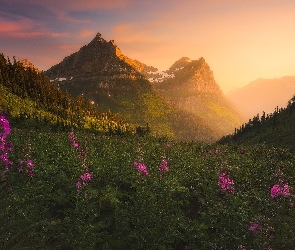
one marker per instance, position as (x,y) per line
(274,129)
(27,93)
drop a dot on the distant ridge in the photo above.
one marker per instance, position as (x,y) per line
(263,95)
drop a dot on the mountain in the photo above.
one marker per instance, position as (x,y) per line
(113,81)
(100,72)
(274,129)
(132,89)
(189,85)
(263,95)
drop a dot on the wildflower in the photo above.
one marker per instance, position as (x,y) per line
(86,177)
(254,226)
(30,164)
(141,168)
(83,180)
(285,191)
(163,167)
(82,153)
(4,123)
(73,140)
(276,190)
(5,146)
(28,169)
(226,183)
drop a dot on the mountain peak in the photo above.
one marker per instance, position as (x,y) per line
(98,39)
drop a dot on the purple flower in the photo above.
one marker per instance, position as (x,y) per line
(254,226)
(83,180)
(30,164)
(285,191)
(276,190)
(141,168)
(163,167)
(73,140)
(86,177)
(4,123)
(226,183)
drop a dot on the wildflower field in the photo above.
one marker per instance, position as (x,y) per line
(79,190)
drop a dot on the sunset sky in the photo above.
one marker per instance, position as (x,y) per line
(241,40)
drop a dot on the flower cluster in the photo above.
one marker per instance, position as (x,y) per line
(28,168)
(84,180)
(163,167)
(73,140)
(5,147)
(141,168)
(276,190)
(226,183)
(254,226)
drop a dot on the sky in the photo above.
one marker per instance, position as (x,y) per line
(241,40)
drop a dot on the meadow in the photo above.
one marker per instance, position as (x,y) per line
(85,190)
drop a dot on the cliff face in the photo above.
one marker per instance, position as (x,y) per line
(99,60)
(190,85)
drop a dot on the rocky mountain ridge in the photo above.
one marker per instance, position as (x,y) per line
(190,86)
(141,94)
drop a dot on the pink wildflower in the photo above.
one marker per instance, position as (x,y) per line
(163,167)
(254,226)
(226,183)
(141,168)
(4,123)
(28,169)
(83,180)
(86,177)
(276,190)
(73,140)
(285,191)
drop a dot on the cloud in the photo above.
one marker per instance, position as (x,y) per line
(136,33)
(87,33)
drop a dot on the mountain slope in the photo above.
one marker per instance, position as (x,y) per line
(274,129)
(263,95)
(115,82)
(190,86)
(30,99)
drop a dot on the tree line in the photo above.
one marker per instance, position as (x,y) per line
(28,87)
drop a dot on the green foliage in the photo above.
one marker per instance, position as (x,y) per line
(121,208)
(30,98)
(275,129)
